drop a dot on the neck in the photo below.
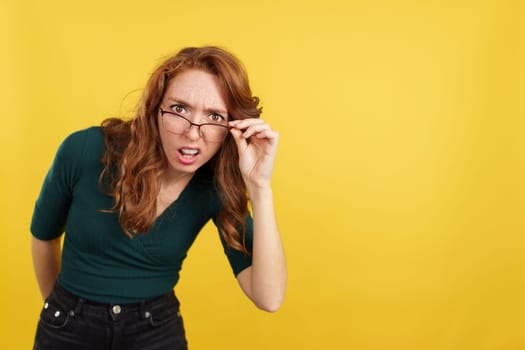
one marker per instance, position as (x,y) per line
(172,178)
(171,186)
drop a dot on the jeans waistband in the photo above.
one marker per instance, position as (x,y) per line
(76,304)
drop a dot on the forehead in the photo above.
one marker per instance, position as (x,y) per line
(198,88)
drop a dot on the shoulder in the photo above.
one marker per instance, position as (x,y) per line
(78,148)
(79,138)
(76,143)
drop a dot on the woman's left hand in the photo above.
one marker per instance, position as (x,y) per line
(264,282)
(257,145)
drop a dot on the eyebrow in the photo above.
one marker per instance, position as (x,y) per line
(207,110)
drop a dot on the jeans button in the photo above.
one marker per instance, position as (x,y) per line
(116,309)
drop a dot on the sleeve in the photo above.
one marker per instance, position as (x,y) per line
(239,260)
(52,205)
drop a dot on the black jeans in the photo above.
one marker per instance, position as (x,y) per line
(68,322)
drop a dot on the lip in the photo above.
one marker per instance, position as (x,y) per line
(185,159)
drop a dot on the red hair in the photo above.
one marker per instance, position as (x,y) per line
(134,158)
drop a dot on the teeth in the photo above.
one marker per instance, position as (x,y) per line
(190,152)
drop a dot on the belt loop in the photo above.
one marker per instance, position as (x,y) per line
(77,308)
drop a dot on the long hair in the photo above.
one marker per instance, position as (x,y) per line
(134,159)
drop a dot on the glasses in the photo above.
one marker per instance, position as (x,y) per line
(179,125)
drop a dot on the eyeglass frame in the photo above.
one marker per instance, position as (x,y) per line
(163,111)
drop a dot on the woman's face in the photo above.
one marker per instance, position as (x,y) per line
(197,96)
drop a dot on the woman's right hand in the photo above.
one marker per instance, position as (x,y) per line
(47,257)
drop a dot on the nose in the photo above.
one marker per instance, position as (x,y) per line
(194,132)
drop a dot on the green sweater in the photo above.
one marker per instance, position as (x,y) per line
(101,263)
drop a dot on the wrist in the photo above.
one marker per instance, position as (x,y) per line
(259,190)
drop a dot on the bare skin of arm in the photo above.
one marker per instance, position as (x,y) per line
(46,263)
(264,282)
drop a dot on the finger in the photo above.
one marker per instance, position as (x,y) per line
(268,134)
(254,129)
(240,141)
(245,123)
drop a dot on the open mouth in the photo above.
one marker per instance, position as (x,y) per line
(189,153)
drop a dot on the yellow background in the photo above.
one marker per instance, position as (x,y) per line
(399,182)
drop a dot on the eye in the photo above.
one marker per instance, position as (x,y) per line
(178,108)
(217,118)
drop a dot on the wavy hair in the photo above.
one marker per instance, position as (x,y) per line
(134,159)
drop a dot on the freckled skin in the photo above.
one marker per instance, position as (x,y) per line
(201,92)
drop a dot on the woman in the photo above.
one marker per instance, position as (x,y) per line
(132,196)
